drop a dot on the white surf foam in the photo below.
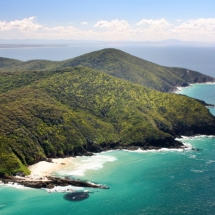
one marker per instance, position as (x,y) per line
(89,163)
(180,89)
(210,161)
(159,150)
(14,185)
(197,171)
(192,156)
(187,147)
(66,189)
(194,137)
(210,83)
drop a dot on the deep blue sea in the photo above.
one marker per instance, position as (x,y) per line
(141,183)
(200,59)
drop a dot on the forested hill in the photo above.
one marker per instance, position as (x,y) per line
(118,64)
(75,111)
(136,70)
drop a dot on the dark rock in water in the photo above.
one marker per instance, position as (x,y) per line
(196,149)
(76,196)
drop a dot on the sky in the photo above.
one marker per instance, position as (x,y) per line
(108,20)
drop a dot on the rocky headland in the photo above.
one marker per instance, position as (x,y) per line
(100,101)
(49,182)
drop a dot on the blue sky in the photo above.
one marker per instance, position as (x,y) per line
(137,20)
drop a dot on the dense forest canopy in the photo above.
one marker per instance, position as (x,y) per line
(101,100)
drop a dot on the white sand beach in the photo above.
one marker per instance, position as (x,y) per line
(44,168)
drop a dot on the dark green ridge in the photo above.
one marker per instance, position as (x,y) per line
(74,111)
(125,66)
(9,63)
(136,70)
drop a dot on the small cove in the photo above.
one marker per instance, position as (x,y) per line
(156,182)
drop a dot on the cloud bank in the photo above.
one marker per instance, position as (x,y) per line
(201,29)
(24,25)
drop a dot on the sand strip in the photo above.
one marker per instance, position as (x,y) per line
(44,168)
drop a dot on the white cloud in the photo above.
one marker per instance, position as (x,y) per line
(154,24)
(84,23)
(197,25)
(24,25)
(61,29)
(147,29)
(196,29)
(114,24)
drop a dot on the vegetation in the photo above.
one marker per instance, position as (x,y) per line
(69,111)
(9,162)
(136,70)
(122,65)
(8,63)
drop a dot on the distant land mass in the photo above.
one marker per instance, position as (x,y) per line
(43,42)
(103,100)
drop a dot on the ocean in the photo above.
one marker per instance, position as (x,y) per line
(141,182)
(201,59)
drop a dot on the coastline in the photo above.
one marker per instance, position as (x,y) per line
(44,169)
(178,89)
(41,176)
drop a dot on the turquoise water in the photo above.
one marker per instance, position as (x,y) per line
(156,182)
(205,92)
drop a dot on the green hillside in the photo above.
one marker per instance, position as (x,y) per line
(75,111)
(8,63)
(136,70)
(122,65)
(11,65)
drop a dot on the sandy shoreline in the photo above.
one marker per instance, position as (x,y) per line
(44,168)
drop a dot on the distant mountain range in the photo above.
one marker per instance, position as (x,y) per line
(37,42)
(102,100)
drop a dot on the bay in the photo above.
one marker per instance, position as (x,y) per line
(155,182)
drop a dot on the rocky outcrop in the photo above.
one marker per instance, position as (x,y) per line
(169,142)
(204,103)
(50,182)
